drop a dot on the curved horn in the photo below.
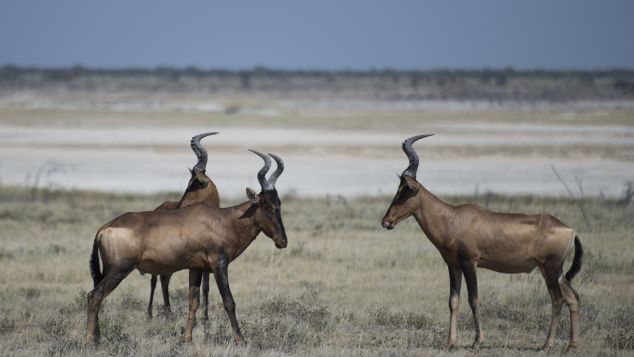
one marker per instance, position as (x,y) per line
(200,151)
(278,171)
(411,155)
(266,186)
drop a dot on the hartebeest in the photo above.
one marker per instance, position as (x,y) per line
(198,237)
(200,188)
(468,237)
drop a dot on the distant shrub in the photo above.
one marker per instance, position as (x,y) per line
(31,293)
(113,330)
(621,336)
(7,325)
(130,302)
(386,317)
(64,346)
(56,325)
(312,314)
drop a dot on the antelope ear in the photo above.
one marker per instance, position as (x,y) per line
(198,184)
(252,196)
(412,187)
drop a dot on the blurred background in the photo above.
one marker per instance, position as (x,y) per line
(524,98)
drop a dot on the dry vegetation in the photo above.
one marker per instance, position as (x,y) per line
(487,84)
(343,286)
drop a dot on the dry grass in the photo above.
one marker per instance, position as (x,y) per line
(344,286)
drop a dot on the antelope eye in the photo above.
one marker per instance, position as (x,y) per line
(405,193)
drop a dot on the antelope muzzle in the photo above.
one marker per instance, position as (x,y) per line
(281,243)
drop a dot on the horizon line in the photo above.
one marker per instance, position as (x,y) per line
(260,68)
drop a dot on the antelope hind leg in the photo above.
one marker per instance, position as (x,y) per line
(551,276)
(94,299)
(572,300)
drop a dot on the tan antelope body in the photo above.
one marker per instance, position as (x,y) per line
(198,237)
(468,237)
(200,189)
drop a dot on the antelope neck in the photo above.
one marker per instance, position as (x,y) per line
(433,216)
(246,228)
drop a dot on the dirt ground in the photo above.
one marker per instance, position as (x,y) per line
(136,145)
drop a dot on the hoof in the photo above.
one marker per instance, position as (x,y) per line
(547,346)
(187,339)
(167,314)
(91,340)
(239,340)
(168,317)
(476,345)
(450,345)
(571,347)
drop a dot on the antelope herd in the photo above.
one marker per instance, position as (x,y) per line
(195,233)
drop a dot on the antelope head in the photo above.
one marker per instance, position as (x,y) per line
(405,201)
(200,187)
(266,206)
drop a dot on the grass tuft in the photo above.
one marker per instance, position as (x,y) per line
(347,287)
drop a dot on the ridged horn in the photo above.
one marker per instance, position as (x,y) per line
(264,184)
(200,151)
(411,154)
(278,171)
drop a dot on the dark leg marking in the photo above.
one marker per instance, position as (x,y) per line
(222,280)
(152,287)
(455,282)
(471,279)
(165,283)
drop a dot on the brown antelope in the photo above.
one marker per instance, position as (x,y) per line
(198,237)
(468,237)
(200,188)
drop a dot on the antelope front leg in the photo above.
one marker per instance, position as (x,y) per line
(165,283)
(152,287)
(222,280)
(471,278)
(195,278)
(206,296)
(455,282)
(206,302)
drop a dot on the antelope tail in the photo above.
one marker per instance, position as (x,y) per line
(95,270)
(576,261)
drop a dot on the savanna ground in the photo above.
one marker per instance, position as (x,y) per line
(344,286)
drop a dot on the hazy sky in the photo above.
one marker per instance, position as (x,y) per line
(323,34)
